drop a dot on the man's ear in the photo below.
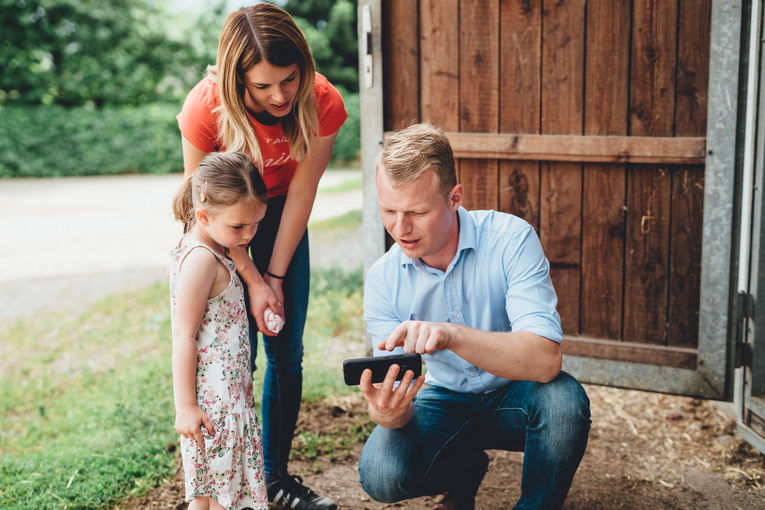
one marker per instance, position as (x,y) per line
(455,196)
(203,218)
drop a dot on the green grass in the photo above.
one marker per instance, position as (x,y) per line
(86,409)
(352,184)
(347,221)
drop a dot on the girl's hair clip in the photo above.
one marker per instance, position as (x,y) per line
(203,195)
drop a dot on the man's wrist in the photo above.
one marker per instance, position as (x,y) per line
(392,422)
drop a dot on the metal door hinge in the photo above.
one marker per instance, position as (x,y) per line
(745,305)
(367,61)
(744,311)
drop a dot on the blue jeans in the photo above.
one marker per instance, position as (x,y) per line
(436,450)
(283,381)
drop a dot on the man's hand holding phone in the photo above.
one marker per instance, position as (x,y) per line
(389,405)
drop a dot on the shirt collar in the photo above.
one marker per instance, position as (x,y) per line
(466,242)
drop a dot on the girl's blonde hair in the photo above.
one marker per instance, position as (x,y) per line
(249,36)
(221,180)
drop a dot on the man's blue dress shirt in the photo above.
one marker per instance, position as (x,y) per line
(499,280)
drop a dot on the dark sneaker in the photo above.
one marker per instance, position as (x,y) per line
(289,493)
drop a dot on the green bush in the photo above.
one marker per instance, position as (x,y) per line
(348,142)
(54,141)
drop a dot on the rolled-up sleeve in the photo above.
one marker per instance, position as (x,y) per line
(530,300)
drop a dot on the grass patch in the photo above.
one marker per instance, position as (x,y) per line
(334,445)
(86,406)
(347,221)
(352,184)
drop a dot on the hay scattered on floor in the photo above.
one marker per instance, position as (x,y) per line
(670,433)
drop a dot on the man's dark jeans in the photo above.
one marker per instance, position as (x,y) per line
(436,451)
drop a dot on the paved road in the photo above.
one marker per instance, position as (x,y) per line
(70,240)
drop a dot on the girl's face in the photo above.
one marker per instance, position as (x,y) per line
(271,89)
(232,226)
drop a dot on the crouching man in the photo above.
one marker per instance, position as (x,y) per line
(471,291)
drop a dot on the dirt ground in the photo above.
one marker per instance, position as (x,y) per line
(645,450)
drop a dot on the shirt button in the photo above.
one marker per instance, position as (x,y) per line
(473,373)
(454,314)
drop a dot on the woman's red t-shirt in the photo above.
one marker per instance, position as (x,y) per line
(199,125)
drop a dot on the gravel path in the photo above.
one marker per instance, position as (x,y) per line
(72,240)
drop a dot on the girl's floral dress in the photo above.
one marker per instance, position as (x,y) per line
(229,465)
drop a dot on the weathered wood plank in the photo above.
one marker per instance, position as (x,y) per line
(479,96)
(649,187)
(400,63)
(685,256)
(630,351)
(688,181)
(562,100)
(692,67)
(652,73)
(603,229)
(646,278)
(439,76)
(520,89)
(594,149)
(603,207)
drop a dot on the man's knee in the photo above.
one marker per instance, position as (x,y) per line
(564,407)
(380,473)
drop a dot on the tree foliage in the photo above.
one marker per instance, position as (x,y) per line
(330,29)
(75,52)
(123,52)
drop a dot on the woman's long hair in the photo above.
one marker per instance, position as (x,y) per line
(249,36)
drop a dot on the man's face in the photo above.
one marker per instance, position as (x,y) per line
(420,219)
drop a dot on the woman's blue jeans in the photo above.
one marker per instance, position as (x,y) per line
(436,451)
(283,380)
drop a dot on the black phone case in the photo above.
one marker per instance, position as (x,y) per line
(352,368)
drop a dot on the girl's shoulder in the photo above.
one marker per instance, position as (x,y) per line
(200,259)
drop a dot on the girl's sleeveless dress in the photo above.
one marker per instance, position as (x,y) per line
(229,465)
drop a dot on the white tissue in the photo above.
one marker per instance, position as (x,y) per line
(273,322)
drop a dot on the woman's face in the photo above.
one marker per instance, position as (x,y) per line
(271,89)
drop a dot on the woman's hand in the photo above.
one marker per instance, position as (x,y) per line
(262,296)
(188,422)
(276,287)
(259,291)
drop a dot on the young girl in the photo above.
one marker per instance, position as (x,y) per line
(220,205)
(263,97)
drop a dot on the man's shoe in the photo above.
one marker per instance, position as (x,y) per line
(288,492)
(463,498)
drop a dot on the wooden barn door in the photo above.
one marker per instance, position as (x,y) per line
(588,118)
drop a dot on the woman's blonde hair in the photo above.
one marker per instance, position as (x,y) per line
(221,180)
(250,35)
(412,151)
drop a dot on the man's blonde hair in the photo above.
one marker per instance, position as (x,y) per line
(408,153)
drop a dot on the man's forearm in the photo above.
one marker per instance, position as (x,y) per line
(520,355)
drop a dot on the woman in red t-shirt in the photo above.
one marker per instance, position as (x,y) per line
(265,98)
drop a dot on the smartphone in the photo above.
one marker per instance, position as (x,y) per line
(352,368)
